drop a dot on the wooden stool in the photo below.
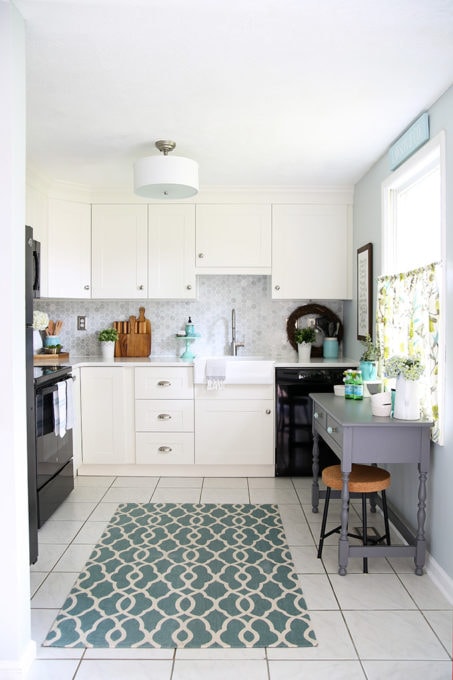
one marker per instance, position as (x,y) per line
(364,479)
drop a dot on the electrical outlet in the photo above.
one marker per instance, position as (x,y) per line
(311,323)
(81,323)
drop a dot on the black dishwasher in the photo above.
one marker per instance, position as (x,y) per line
(293,408)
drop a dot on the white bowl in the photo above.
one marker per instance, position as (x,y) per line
(381,404)
(338,390)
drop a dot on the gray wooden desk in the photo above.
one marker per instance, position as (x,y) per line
(356,436)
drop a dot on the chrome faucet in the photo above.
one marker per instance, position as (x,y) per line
(234,343)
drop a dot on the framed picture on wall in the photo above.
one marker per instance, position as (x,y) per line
(364,291)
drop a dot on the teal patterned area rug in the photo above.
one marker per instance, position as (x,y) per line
(187,575)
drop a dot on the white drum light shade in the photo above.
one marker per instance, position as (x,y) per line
(166,177)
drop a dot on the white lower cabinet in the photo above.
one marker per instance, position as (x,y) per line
(164,415)
(153,417)
(235,427)
(107,417)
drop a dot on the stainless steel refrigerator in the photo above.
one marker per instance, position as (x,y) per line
(32,269)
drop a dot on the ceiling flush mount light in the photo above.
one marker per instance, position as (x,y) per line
(165,177)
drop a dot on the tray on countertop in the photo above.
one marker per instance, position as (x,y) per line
(51,355)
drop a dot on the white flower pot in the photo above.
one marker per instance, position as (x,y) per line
(107,349)
(304,351)
(407,399)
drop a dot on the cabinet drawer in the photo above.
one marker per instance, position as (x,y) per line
(165,382)
(335,430)
(320,416)
(162,415)
(164,449)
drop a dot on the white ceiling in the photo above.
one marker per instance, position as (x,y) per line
(259,92)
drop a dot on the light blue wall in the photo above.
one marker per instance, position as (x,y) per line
(367,228)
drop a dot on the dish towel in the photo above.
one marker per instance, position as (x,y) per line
(69,404)
(59,409)
(215,373)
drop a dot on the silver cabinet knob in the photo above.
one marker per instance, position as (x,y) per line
(164,449)
(164,416)
(164,383)
(268,411)
(316,415)
(189,287)
(201,255)
(87,287)
(140,287)
(330,429)
(277,287)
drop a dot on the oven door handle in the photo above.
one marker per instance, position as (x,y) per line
(42,391)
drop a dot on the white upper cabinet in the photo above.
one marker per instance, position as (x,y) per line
(69,250)
(311,252)
(233,239)
(171,247)
(119,251)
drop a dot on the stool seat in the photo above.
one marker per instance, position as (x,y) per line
(365,480)
(362,478)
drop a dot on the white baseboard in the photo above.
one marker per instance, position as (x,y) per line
(440,577)
(18,669)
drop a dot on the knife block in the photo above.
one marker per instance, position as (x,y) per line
(134,336)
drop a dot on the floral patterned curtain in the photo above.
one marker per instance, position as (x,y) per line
(407,323)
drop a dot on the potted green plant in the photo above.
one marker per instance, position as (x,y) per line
(304,337)
(370,356)
(107,338)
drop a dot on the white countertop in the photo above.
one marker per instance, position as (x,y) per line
(77,361)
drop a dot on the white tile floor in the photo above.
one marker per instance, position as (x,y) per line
(385,624)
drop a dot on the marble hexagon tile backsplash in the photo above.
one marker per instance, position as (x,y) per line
(260,321)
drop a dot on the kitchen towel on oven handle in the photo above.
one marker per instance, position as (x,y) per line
(63,407)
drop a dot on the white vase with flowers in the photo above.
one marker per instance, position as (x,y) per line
(407,370)
(40,323)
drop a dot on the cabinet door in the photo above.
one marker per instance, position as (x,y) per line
(171,250)
(233,239)
(311,252)
(164,415)
(69,250)
(119,251)
(231,432)
(107,402)
(164,382)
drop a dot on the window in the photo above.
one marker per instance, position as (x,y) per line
(411,291)
(413,231)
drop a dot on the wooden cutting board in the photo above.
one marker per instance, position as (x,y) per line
(134,336)
(53,357)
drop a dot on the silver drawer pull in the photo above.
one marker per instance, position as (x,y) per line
(330,429)
(164,449)
(268,411)
(164,383)
(316,415)
(164,416)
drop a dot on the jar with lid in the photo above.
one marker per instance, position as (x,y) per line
(348,384)
(353,384)
(358,385)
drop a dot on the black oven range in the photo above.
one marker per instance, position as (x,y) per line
(54,450)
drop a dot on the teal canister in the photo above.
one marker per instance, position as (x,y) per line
(330,348)
(190,330)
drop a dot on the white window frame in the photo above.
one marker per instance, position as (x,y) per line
(405,173)
(400,177)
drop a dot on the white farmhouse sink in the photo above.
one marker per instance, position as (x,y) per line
(240,370)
